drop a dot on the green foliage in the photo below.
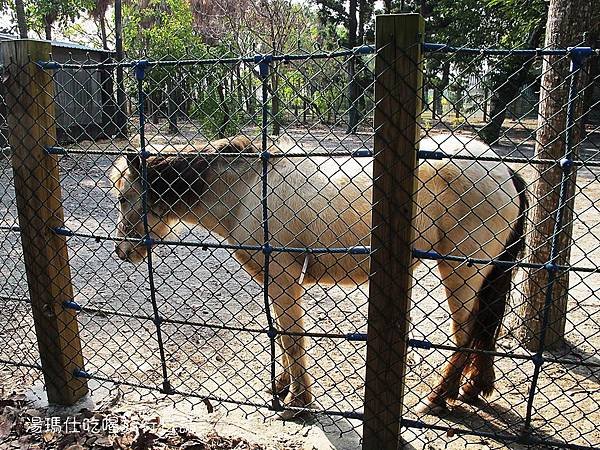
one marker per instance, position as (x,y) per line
(162,28)
(57,12)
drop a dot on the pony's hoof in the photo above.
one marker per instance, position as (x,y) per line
(433,408)
(282,386)
(471,399)
(292,400)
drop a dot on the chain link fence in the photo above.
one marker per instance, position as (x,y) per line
(256,196)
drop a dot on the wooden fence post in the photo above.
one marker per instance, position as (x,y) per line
(31,123)
(398,80)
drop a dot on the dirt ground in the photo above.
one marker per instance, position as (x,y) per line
(207,287)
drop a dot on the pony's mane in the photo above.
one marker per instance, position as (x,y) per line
(233,144)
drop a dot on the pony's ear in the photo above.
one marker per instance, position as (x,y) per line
(134,161)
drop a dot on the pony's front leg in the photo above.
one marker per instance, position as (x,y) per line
(283,380)
(285,295)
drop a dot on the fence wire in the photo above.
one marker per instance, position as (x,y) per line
(177,194)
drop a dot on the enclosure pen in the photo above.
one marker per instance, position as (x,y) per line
(436,198)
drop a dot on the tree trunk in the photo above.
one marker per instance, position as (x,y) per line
(102,20)
(486,93)
(352,91)
(566,21)
(250,97)
(239,87)
(458,102)
(154,102)
(21,18)
(438,92)
(225,108)
(365,12)
(275,107)
(48,28)
(122,102)
(506,87)
(594,80)
(173,103)
(503,94)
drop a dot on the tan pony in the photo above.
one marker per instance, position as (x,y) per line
(464,208)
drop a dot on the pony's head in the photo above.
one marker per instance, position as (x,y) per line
(128,183)
(175,185)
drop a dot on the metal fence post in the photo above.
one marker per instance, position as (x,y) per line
(32,128)
(398,74)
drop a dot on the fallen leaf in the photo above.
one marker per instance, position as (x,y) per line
(193,445)
(145,440)
(6,425)
(126,440)
(104,441)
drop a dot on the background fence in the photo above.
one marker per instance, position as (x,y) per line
(192,323)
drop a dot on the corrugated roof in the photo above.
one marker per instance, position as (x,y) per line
(64,44)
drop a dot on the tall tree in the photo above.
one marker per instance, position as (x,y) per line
(352,88)
(354,20)
(267,26)
(21,18)
(483,23)
(44,14)
(506,80)
(98,13)
(567,21)
(162,29)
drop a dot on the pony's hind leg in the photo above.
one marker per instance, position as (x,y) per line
(461,283)
(285,295)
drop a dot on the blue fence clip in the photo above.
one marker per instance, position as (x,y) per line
(360,250)
(80,373)
(72,305)
(364,50)
(148,241)
(578,56)
(267,249)
(63,231)
(356,337)
(363,152)
(48,65)
(272,333)
(425,255)
(428,154)
(429,47)
(265,156)
(263,62)
(551,267)
(537,359)
(566,163)
(416,343)
(409,423)
(140,68)
(50,150)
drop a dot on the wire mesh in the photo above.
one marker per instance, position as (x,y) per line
(191,321)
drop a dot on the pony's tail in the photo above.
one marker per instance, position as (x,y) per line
(492,298)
